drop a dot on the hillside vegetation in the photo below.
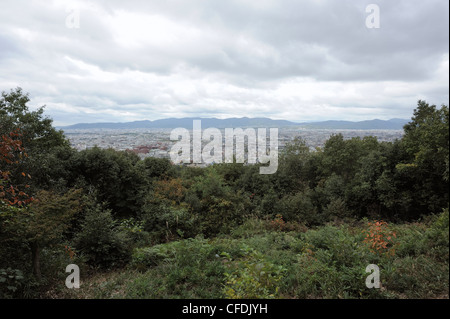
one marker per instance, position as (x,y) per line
(150,229)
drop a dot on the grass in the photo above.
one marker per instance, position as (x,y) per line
(325,262)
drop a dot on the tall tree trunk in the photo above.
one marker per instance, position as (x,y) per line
(35,259)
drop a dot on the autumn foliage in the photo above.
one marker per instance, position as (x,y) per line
(171,189)
(380,238)
(11,153)
(278,223)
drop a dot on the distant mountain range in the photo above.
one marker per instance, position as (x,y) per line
(392,124)
(170,123)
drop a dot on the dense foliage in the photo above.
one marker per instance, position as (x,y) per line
(309,230)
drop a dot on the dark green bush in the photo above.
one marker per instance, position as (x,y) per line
(11,280)
(437,237)
(299,208)
(418,277)
(165,223)
(101,241)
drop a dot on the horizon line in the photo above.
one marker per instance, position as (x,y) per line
(228,118)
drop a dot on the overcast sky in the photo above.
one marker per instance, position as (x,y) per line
(299,60)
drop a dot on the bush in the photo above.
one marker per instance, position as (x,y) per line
(10,282)
(251,276)
(331,264)
(300,208)
(312,278)
(101,241)
(166,223)
(250,227)
(189,268)
(326,262)
(380,238)
(336,208)
(146,257)
(419,277)
(437,237)
(411,240)
(134,229)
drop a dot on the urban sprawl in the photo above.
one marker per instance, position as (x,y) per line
(157,143)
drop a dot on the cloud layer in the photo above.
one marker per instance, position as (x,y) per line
(297,60)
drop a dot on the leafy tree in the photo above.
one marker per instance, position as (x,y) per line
(300,208)
(338,157)
(231,173)
(11,153)
(38,132)
(342,157)
(171,190)
(361,194)
(12,197)
(115,175)
(252,184)
(294,171)
(41,223)
(38,137)
(427,138)
(426,141)
(157,168)
(217,205)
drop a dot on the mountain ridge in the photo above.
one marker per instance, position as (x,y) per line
(186,122)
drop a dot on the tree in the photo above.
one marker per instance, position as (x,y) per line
(217,205)
(42,222)
(100,240)
(115,175)
(339,157)
(38,134)
(11,152)
(299,207)
(294,171)
(38,137)
(426,141)
(156,168)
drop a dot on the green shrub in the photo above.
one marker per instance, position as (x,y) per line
(250,227)
(11,280)
(101,241)
(418,277)
(300,208)
(411,240)
(312,278)
(166,223)
(134,229)
(437,237)
(251,277)
(146,257)
(331,264)
(337,208)
(189,268)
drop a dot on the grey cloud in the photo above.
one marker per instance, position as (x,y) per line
(224,56)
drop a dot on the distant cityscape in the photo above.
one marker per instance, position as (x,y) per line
(157,143)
